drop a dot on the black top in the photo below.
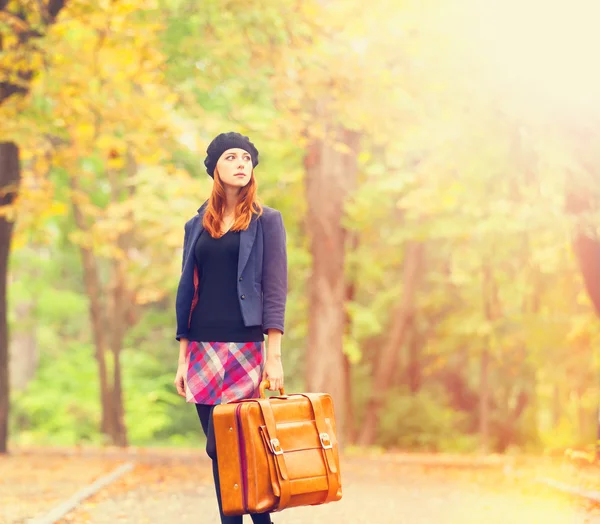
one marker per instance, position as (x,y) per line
(217,316)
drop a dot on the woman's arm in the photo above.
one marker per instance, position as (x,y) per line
(274,277)
(185,241)
(274,343)
(273,366)
(181,329)
(183,343)
(274,297)
(181,375)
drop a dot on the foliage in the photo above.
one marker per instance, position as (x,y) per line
(423,422)
(117,123)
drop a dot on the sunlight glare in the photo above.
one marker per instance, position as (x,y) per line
(544,50)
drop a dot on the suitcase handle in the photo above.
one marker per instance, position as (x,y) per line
(266,384)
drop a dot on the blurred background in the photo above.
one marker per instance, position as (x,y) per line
(437,167)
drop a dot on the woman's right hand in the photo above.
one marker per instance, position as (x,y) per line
(180,379)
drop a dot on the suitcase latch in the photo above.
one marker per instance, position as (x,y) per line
(325,441)
(276,447)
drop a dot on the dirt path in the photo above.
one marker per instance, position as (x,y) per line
(375,492)
(175,487)
(32,484)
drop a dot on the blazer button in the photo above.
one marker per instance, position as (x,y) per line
(243,297)
(241,278)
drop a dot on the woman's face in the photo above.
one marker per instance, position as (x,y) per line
(235,167)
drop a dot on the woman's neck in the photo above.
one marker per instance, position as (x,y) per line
(231,199)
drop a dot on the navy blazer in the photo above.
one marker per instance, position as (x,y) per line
(262,272)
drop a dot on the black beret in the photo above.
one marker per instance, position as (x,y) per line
(222,143)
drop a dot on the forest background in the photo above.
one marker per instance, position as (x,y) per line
(436,167)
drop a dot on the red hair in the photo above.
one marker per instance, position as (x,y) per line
(247,205)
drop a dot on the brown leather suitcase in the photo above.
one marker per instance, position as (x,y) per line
(277,453)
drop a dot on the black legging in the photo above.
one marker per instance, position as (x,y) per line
(205,414)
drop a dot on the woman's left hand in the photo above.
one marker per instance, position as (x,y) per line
(273,372)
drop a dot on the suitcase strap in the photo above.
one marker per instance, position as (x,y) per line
(327,445)
(284,480)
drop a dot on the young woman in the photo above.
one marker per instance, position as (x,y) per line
(232,292)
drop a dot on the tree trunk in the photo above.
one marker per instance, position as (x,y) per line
(413,369)
(484,402)
(9,182)
(582,197)
(353,240)
(597,451)
(507,432)
(331,175)
(400,325)
(122,304)
(99,331)
(97,319)
(491,312)
(587,251)
(117,331)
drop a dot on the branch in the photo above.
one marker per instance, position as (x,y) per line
(18,24)
(26,33)
(54,7)
(8,89)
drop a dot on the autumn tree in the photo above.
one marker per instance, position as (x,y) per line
(113,126)
(22,27)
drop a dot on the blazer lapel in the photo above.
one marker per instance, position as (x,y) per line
(247,237)
(197,229)
(194,235)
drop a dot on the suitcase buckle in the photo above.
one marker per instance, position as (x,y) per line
(325,441)
(276,447)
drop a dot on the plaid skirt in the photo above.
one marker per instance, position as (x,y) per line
(219,372)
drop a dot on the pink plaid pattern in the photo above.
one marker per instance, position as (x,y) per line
(219,372)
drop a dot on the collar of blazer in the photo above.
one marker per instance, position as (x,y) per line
(202,208)
(247,237)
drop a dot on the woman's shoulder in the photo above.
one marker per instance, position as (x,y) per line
(191,222)
(271,217)
(270,212)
